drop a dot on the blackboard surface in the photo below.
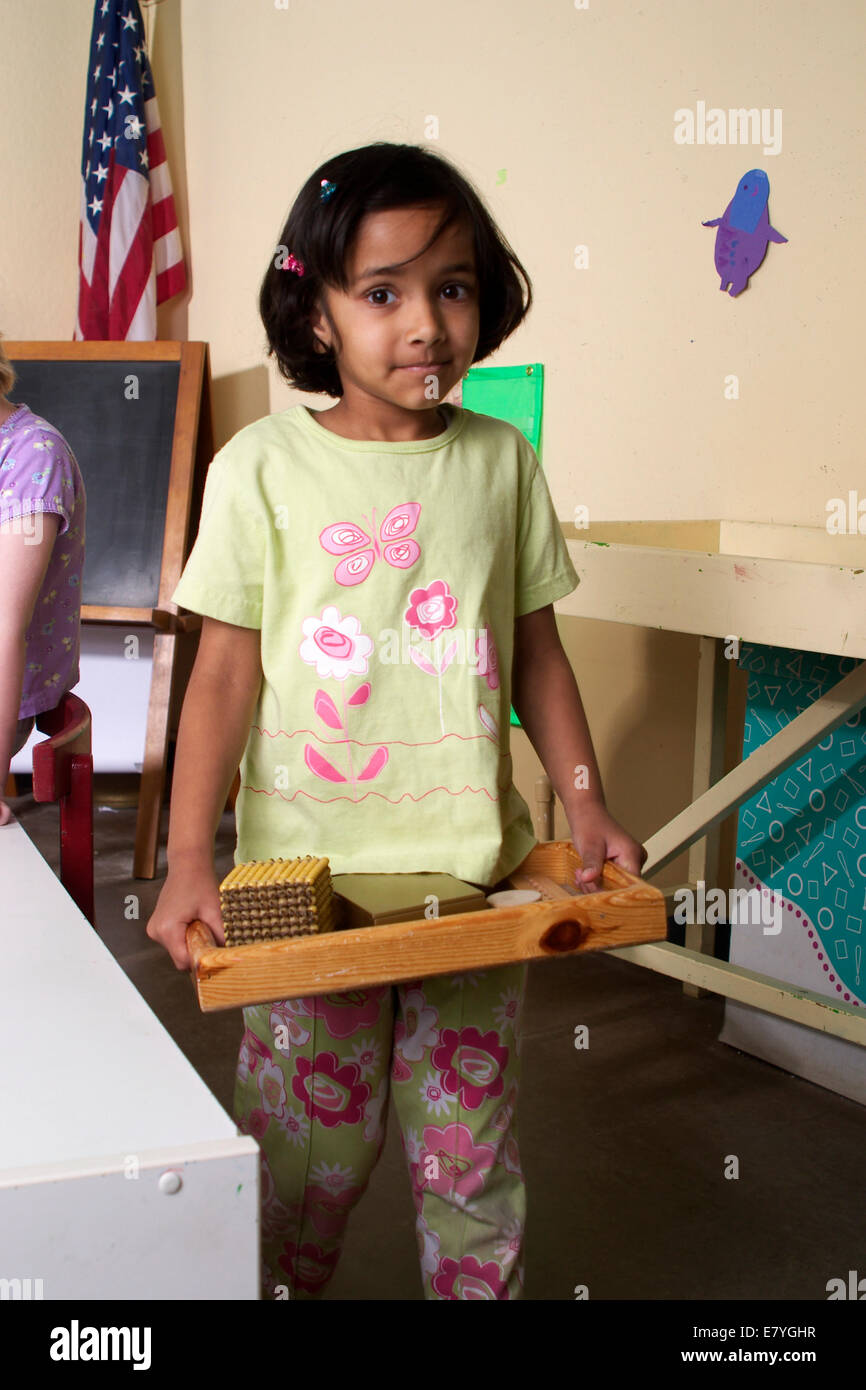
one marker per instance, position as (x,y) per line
(123,447)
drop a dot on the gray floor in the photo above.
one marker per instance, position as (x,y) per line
(623,1144)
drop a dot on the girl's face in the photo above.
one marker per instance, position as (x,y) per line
(404,336)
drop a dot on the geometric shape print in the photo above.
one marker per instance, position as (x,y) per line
(804,834)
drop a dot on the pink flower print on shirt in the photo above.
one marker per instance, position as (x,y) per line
(392,546)
(467,1278)
(334,645)
(472,1063)
(431,612)
(337,647)
(331,1092)
(488,658)
(489,722)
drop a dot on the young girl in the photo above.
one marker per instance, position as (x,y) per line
(42,512)
(377,582)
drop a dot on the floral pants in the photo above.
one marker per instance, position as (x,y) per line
(312,1089)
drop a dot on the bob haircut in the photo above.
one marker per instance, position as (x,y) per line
(377,178)
(7,373)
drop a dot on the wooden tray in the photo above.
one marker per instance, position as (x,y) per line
(624,912)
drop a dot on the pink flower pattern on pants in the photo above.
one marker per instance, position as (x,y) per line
(332,1094)
(448,1054)
(467,1278)
(471,1064)
(461,1163)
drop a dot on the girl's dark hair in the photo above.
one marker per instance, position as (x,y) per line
(376,178)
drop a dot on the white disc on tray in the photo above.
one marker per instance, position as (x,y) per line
(514,897)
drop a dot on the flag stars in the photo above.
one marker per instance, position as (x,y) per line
(97,71)
(95,205)
(104,140)
(104,10)
(129,21)
(101,173)
(93,106)
(109,108)
(100,41)
(145,162)
(126,96)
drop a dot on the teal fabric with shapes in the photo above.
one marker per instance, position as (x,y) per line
(803,835)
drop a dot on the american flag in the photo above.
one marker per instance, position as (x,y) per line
(129,250)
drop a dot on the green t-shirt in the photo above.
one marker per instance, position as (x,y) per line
(385,579)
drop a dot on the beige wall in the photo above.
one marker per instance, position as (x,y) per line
(577,107)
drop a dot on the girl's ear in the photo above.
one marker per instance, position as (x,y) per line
(321,330)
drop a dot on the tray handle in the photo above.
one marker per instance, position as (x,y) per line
(199,938)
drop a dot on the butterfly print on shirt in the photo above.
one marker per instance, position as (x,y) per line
(393,545)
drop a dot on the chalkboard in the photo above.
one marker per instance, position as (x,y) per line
(123,446)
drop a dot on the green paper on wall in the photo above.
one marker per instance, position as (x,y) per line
(514,394)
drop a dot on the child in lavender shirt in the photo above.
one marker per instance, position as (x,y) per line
(42,511)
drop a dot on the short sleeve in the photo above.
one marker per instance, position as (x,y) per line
(223,576)
(42,478)
(543,568)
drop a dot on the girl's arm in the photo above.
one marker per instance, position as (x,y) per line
(214,725)
(547,701)
(25,551)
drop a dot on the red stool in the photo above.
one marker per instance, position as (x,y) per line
(63,772)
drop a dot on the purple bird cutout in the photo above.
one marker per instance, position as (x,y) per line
(744,231)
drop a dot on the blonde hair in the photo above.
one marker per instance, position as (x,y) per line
(7,372)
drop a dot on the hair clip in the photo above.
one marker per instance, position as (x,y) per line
(292,264)
(327,189)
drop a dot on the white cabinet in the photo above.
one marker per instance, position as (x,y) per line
(121,1176)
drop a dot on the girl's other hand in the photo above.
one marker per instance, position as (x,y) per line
(597,836)
(190,891)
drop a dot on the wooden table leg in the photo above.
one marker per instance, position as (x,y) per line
(709,767)
(155,751)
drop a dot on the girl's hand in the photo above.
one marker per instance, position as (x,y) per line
(6,816)
(189,891)
(597,836)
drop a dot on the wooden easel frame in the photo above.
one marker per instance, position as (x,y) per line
(191,453)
